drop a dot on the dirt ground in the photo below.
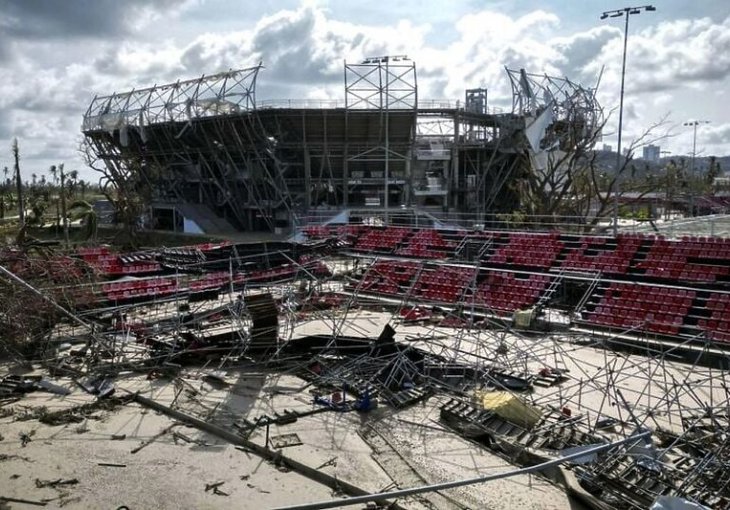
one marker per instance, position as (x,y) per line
(105,455)
(95,461)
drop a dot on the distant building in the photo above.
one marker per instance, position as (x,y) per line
(652,153)
(607,148)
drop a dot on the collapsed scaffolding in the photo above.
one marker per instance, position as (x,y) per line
(522,393)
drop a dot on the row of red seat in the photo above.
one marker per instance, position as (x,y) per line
(157,287)
(154,287)
(716,248)
(719,336)
(645,307)
(421,250)
(691,259)
(503,291)
(717,326)
(707,257)
(529,250)
(117,269)
(611,260)
(666,324)
(448,284)
(428,244)
(716,323)
(444,284)
(387,239)
(215,280)
(139,292)
(107,263)
(719,302)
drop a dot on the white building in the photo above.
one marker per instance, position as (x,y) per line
(652,153)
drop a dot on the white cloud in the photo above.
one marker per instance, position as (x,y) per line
(303,50)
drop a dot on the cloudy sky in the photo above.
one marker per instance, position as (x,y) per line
(56,55)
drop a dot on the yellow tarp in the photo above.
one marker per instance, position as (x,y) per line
(523,318)
(509,407)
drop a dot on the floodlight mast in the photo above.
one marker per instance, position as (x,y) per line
(626,12)
(694,124)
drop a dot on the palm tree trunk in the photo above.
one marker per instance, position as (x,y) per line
(63,205)
(19,183)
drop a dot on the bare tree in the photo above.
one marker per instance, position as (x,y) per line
(54,174)
(125,185)
(572,183)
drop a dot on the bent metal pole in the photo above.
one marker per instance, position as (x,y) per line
(460,483)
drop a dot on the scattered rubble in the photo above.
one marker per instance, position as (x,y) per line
(526,396)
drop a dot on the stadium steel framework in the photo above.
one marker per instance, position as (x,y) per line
(215,156)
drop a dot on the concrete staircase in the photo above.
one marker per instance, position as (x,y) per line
(205,218)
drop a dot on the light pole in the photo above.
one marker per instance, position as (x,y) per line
(694,124)
(626,12)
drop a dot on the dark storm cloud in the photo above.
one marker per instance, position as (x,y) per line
(48,19)
(582,49)
(286,44)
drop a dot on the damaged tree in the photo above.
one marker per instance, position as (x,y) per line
(18,182)
(26,317)
(563,175)
(127,186)
(575,184)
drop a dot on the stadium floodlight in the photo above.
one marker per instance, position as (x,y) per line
(694,124)
(627,11)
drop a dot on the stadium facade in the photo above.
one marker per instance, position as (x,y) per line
(216,159)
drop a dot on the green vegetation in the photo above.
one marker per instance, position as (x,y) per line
(56,201)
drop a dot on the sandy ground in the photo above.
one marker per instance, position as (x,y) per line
(168,473)
(171,472)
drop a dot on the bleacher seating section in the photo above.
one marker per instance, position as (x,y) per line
(427,244)
(530,250)
(111,264)
(654,285)
(445,284)
(678,287)
(148,284)
(506,292)
(382,240)
(717,325)
(645,307)
(388,277)
(602,254)
(690,259)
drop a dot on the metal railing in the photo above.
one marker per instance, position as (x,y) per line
(423,104)
(717,225)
